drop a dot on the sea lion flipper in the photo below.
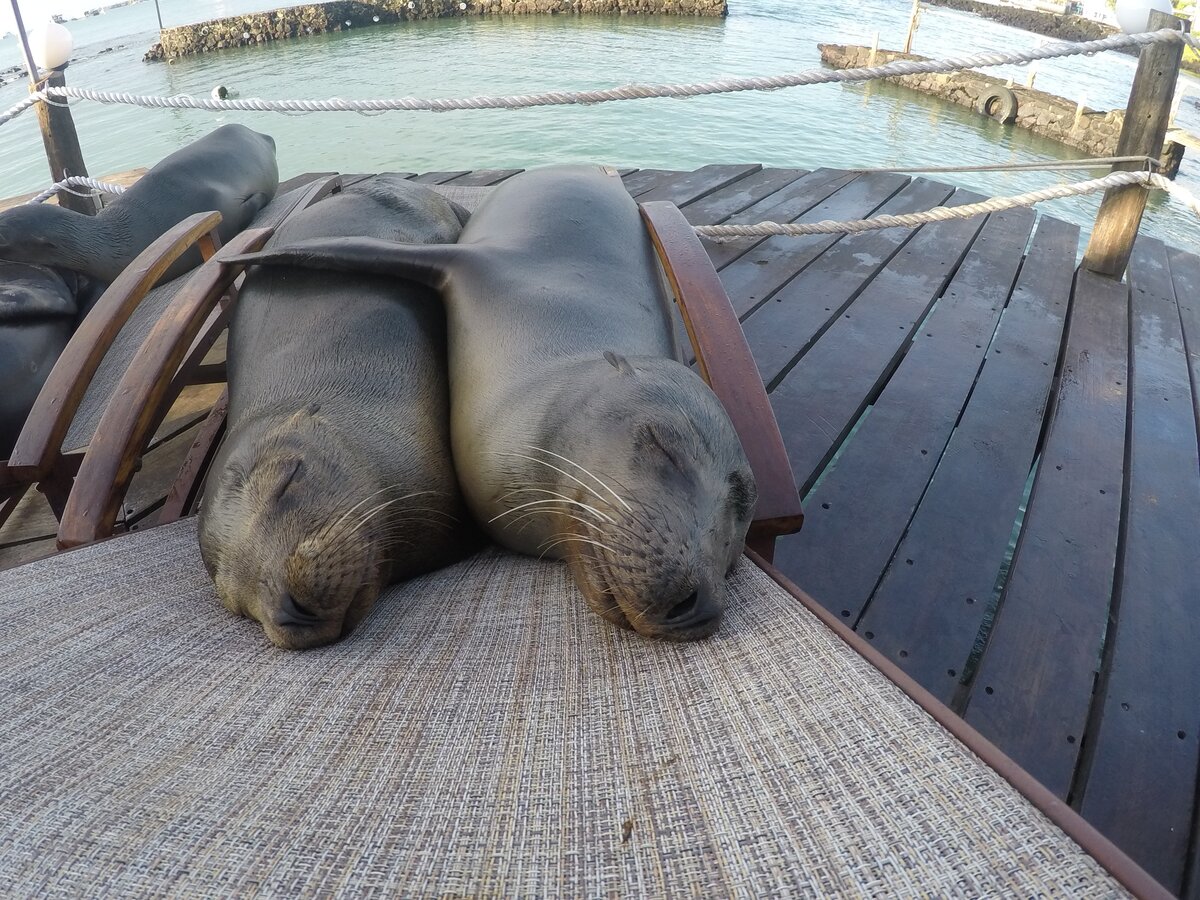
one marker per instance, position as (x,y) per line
(427,264)
(255,203)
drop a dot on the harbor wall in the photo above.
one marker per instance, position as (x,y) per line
(1063,28)
(1093,131)
(339,15)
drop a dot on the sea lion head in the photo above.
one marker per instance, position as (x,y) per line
(295,530)
(652,492)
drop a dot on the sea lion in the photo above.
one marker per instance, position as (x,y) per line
(577,432)
(231,170)
(37,316)
(335,477)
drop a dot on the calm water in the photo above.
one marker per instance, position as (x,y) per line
(847,126)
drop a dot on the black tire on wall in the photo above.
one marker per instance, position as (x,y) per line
(1001,105)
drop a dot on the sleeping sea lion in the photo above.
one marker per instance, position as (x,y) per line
(231,170)
(577,432)
(37,316)
(335,477)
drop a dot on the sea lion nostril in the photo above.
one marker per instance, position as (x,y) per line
(684,607)
(292,613)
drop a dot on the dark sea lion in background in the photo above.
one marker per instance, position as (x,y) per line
(335,477)
(231,170)
(37,316)
(576,431)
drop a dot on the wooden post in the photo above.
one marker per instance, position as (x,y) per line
(874,50)
(1080,108)
(1142,134)
(62,146)
(912,25)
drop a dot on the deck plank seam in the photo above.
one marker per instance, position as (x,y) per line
(805,482)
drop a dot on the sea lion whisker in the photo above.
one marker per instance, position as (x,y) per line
(328,529)
(600,481)
(549,545)
(560,499)
(562,472)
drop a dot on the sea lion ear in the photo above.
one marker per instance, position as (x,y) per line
(618,362)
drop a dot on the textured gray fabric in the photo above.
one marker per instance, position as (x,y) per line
(482,734)
(130,338)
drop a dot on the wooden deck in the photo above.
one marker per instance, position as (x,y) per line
(1000,467)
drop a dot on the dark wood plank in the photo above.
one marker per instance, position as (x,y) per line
(731,199)
(156,474)
(753,277)
(438,177)
(1033,689)
(643,180)
(785,205)
(928,611)
(780,331)
(19,554)
(819,400)
(32,519)
(1141,782)
(691,186)
(192,405)
(300,181)
(1185,271)
(483,177)
(860,510)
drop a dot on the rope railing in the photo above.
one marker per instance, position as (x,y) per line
(76,181)
(854,226)
(626,92)
(946,213)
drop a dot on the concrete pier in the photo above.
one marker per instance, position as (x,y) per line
(1093,131)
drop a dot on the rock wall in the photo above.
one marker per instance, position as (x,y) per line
(315,18)
(1063,28)
(1091,130)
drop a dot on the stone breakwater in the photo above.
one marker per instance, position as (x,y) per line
(1059,27)
(1052,25)
(317,18)
(1093,131)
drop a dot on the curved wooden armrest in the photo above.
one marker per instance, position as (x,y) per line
(726,363)
(40,441)
(130,419)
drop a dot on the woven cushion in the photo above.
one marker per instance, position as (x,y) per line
(481,734)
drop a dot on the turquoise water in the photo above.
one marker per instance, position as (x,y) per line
(844,126)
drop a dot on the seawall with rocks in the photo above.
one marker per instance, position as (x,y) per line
(1093,131)
(339,15)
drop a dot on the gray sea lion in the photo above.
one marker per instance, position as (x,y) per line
(335,477)
(231,170)
(577,432)
(37,317)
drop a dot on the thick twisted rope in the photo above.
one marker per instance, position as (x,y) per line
(627,92)
(946,213)
(75,181)
(855,226)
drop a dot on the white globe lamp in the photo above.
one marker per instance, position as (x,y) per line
(51,46)
(1134,15)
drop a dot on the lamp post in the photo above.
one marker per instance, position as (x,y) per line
(49,47)
(1133,15)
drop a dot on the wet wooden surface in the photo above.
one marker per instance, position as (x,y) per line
(1000,466)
